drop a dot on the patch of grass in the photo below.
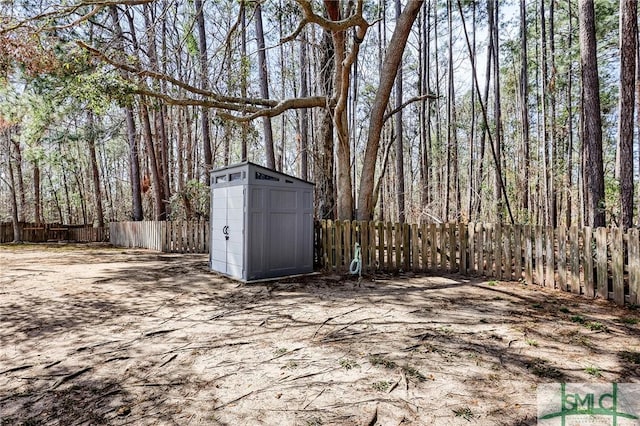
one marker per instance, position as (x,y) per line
(280,351)
(593,371)
(446,330)
(313,421)
(291,364)
(581,340)
(492,283)
(412,372)
(348,364)
(378,360)
(464,412)
(381,386)
(628,320)
(578,319)
(595,326)
(531,342)
(628,356)
(564,310)
(542,368)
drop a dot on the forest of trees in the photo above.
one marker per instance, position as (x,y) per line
(414,110)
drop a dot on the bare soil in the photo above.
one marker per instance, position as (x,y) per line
(97,335)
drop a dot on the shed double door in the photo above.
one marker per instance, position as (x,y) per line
(227,230)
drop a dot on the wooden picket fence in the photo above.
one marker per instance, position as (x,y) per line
(602,262)
(170,237)
(44,232)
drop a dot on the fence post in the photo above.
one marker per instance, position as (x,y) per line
(539,257)
(550,279)
(462,235)
(601,260)
(562,258)
(617,265)
(587,265)
(574,242)
(634,266)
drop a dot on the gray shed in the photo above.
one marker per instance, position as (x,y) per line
(261,223)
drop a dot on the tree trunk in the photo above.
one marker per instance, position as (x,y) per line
(628,34)
(264,88)
(393,59)
(593,168)
(399,134)
(524,107)
(37,202)
(304,114)
(204,84)
(95,172)
(134,162)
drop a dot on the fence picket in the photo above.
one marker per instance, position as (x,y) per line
(587,259)
(617,265)
(634,266)
(539,256)
(601,259)
(574,244)
(562,258)
(549,261)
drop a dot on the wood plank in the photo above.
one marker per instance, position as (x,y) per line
(348,242)
(442,243)
(364,236)
(562,258)
(397,229)
(389,241)
(574,245)
(480,248)
(617,266)
(433,246)
(550,258)
(415,248)
(507,259)
(517,252)
(463,252)
(601,261)
(471,247)
(331,235)
(587,261)
(528,255)
(380,234)
(338,244)
(452,247)
(406,247)
(325,243)
(634,266)
(373,263)
(539,239)
(424,240)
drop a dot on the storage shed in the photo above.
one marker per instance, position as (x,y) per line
(261,223)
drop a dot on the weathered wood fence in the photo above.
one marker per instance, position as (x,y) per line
(43,232)
(602,262)
(170,237)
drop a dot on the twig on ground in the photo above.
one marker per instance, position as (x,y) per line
(316,397)
(169,360)
(70,376)
(22,367)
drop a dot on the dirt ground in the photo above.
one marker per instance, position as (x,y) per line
(97,335)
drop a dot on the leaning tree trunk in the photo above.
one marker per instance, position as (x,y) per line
(392,61)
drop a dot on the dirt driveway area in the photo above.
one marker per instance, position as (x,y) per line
(97,335)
